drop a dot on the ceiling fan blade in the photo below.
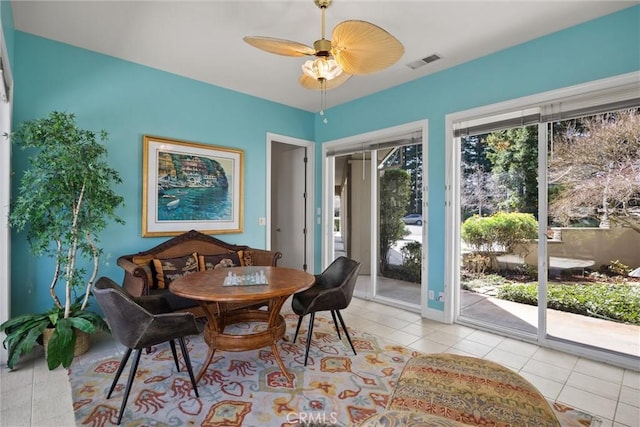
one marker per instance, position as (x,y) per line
(313,84)
(279,46)
(361,47)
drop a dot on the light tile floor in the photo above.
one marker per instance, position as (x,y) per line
(34,396)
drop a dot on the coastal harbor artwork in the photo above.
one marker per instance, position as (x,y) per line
(190,186)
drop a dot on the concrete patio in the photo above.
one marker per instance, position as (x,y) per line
(602,333)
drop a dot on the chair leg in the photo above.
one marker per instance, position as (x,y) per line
(344,328)
(335,323)
(187,361)
(132,375)
(297,328)
(123,363)
(172,344)
(309,333)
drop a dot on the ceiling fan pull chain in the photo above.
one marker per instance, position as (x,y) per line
(323,99)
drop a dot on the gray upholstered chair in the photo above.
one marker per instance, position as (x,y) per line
(332,291)
(139,323)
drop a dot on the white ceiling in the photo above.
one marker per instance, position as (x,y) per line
(203,39)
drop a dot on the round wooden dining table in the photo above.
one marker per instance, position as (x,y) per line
(207,287)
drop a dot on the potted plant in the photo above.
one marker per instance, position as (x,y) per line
(65,200)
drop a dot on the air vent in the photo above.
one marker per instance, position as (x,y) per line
(424,61)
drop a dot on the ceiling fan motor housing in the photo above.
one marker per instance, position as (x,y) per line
(322,47)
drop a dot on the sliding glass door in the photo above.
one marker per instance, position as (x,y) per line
(548,222)
(378,216)
(498,197)
(400,224)
(593,241)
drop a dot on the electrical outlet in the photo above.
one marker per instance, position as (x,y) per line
(441,296)
(262,221)
(431,295)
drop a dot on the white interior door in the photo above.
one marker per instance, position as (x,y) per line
(288,205)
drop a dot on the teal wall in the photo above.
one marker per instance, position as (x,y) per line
(597,49)
(130,100)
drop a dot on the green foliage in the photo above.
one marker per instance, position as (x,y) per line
(394,197)
(61,346)
(24,331)
(514,156)
(410,159)
(613,302)
(498,232)
(65,199)
(480,281)
(401,272)
(411,268)
(412,260)
(473,151)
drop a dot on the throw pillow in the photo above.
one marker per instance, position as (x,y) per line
(169,269)
(210,262)
(246,258)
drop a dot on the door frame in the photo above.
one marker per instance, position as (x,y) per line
(5,192)
(272,138)
(361,141)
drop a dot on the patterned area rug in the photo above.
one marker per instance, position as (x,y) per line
(248,389)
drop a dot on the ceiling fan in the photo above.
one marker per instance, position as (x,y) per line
(357,47)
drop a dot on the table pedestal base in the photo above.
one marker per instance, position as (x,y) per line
(216,339)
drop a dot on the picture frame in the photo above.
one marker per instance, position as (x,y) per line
(190,186)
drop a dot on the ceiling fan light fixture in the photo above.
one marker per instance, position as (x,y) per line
(322,68)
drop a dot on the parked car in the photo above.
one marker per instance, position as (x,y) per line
(413,219)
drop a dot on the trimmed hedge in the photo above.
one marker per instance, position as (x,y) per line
(500,231)
(619,302)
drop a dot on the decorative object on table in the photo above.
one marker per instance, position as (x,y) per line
(332,291)
(142,323)
(189,185)
(65,200)
(257,278)
(248,389)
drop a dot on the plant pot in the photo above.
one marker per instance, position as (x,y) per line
(82,341)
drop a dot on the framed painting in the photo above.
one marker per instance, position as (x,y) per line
(189,186)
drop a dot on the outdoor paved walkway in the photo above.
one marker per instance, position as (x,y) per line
(602,333)
(522,317)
